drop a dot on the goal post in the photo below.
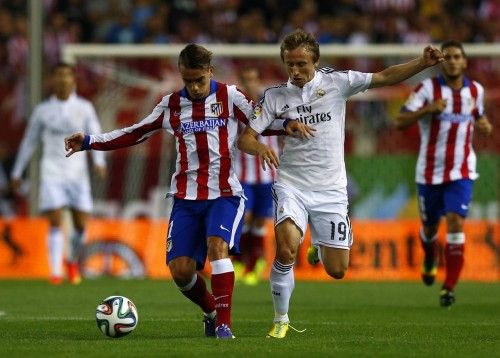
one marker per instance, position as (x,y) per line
(126,81)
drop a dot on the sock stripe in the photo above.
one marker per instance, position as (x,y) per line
(282,268)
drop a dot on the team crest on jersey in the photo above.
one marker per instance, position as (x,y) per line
(257,111)
(216,108)
(320,92)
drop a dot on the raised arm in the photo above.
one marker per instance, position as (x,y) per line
(397,73)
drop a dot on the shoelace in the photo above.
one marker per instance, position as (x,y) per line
(297,330)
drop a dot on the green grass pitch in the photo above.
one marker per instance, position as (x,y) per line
(342,319)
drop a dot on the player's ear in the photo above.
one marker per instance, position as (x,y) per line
(211,71)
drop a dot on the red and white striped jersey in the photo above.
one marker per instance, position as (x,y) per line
(249,167)
(446,152)
(205,132)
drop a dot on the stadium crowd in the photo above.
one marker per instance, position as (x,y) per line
(239,21)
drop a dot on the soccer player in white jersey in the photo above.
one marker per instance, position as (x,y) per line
(447,108)
(311,184)
(208,198)
(256,183)
(63,183)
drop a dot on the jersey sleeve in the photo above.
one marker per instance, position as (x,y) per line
(263,114)
(417,99)
(242,106)
(30,141)
(354,82)
(479,109)
(129,136)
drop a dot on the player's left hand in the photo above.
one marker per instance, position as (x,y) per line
(484,126)
(299,130)
(74,143)
(431,56)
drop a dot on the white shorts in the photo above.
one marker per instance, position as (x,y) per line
(325,211)
(55,195)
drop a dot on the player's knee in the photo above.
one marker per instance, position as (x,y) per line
(181,273)
(286,254)
(336,271)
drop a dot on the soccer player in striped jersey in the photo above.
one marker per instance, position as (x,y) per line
(447,109)
(256,183)
(311,183)
(208,199)
(63,183)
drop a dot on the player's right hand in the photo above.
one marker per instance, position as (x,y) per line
(267,157)
(74,143)
(437,106)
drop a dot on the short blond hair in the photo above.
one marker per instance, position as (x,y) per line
(299,38)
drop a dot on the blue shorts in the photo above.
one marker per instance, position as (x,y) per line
(193,221)
(259,199)
(435,201)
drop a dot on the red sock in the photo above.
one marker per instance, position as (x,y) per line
(200,295)
(454,256)
(222,289)
(255,252)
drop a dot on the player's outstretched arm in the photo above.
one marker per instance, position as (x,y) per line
(248,143)
(397,73)
(74,143)
(406,119)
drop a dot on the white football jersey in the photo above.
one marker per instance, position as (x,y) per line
(316,163)
(52,121)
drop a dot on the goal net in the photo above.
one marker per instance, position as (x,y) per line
(126,81)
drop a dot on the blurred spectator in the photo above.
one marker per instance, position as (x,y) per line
(124,31)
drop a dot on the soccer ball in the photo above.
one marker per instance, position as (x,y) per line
(116,316)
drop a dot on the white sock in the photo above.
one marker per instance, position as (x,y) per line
(282,284)
(56,250)
(76,245)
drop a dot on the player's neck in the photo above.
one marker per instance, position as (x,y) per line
(62,96)
(454,82)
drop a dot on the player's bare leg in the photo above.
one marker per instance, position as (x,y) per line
(193,286)
(288,237)
(222,284)
(76,245)
(335,261)
(454,257)
(428,240)
(55,246)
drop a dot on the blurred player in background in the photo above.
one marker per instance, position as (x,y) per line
(257,184)
(208,199)
(311,184)
(63,183)
(447,108)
